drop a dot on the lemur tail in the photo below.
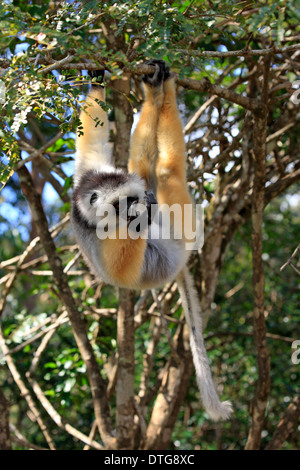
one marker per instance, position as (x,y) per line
(216,409)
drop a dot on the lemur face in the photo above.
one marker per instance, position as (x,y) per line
(111,197)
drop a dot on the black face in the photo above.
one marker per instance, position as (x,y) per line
(130,200)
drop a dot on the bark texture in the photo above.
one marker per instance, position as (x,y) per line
(5,442)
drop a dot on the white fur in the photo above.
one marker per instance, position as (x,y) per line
(216,409)
(92,159)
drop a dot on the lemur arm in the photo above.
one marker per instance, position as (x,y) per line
(92,148)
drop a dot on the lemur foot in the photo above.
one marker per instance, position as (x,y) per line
(161,73)
(98,74)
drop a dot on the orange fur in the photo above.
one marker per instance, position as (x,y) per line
(123,260)
(143,149)
(158,146)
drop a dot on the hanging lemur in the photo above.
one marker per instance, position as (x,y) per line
(156,172)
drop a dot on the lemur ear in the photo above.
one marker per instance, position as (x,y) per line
(93,199)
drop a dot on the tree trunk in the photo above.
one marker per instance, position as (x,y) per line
(125,374)
(5,442)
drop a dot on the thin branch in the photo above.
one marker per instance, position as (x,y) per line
(57,418)
(189,126)
(37,153)
(20,439)
(280,185)
(24,391)
(289,261)
(205,86)
(95,18)
(91,435)
(165,327)
(241,53)
(42,397)
(57,65)
(22,258)
(219,334)
(202,85)
(148,360)
(50,329)
(280,132)
(287,424)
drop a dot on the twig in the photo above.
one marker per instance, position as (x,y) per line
(165,327)
(21,259)
(12,276)
(72,262)
(20,439)
(289,261)
(241,53)
(142,422)
(47,330)
(189,126)
(280,132)
(202,85)
(41,396)
(148,361)
(95,18)
(57,418)
(58,64)
(40,151)
(24,391)
(91,435)
(287,424)
(219,334)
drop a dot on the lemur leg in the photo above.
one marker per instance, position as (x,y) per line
(92,151)
(171,162)
(143,152)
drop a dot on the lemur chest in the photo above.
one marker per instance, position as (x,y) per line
(123,260)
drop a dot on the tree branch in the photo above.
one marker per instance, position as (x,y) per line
(5,439)
(202,85)
(98,385)
(242,52)
(125,370)
(262,389)
(287,424)
(25,392)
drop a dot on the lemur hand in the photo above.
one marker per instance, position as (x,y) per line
(161,73)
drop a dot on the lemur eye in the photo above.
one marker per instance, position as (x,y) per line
(94,198)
